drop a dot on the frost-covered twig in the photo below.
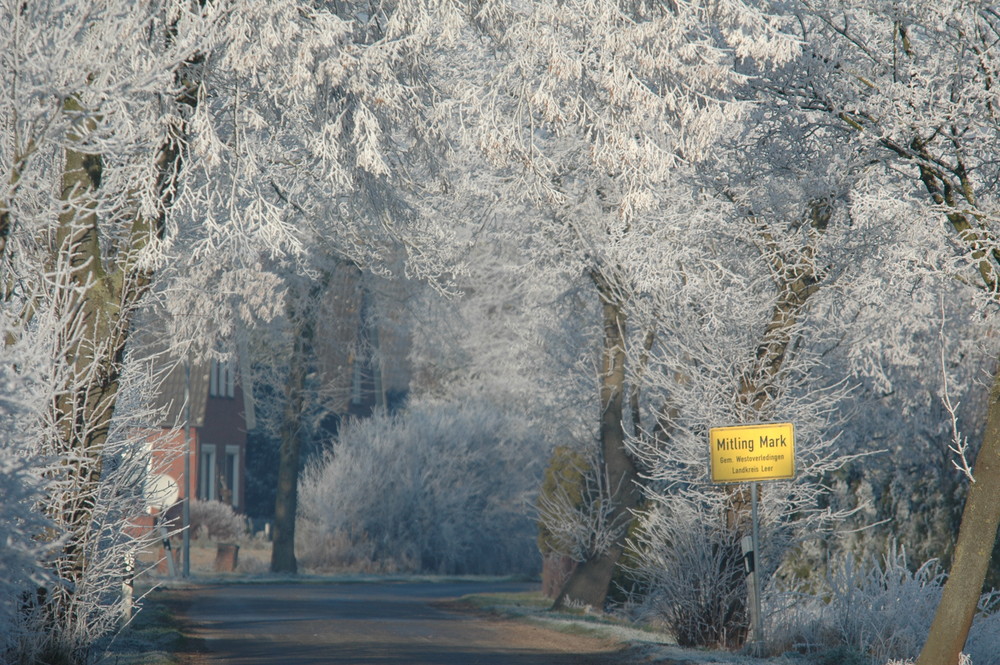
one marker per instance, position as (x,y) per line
(959,444)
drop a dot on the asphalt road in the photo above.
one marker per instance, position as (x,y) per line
(381,623)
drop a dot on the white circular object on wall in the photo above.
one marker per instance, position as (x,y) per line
(161,491)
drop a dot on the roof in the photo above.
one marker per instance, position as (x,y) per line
(149,339)
(170,397)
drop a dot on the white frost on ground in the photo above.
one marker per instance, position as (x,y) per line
(644,645)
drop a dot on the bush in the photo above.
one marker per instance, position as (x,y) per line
(884,611)
(697,586)
(21,552)
(442,488)
(216,520)
(563,525)
(881,611)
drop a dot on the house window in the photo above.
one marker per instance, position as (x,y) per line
(206,473)
(231,474)
(222,380)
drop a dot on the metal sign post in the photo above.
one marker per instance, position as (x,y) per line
(187,470)
(751,453)
(758,631)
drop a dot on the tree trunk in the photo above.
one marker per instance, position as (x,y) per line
(978,529)
(976,537)
(94,293)
(91,345)
(796,279)
(588,585)
(286,502)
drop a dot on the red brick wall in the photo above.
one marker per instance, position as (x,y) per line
(225,425)
(168,456)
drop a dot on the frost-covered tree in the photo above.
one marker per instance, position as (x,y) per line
(743,331)
(596,111)
(90,158)
(917,80)
(567,104)
(323,122)
(162,150)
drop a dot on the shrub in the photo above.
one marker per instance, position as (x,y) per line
(692,586)
(216,520)
(443,487)
(884,610)
(881,610)
(563,528)
(575,517)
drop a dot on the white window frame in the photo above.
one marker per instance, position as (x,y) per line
(233,452)
(213,379)
(221,380)
(207,461)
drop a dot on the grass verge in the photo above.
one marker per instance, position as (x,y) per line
(533,607)
(640,644)
(153,637)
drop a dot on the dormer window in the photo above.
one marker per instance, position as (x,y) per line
(222,380)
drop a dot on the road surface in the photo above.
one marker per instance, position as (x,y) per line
(383,623)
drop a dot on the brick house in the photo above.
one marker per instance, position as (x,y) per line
(361,347)
(219,418)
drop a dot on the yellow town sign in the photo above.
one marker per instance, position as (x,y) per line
(746,453)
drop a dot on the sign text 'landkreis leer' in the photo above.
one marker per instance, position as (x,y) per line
(746,453)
